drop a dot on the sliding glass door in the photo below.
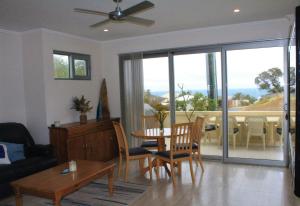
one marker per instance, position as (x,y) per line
(255,103)
(240,90)
(156,85)
(198,92)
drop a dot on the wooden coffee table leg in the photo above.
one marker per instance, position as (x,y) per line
(19,201)
(56,201)
(110,181)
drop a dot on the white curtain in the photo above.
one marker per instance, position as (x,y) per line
(132,95)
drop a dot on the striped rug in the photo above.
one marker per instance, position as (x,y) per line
(94,194)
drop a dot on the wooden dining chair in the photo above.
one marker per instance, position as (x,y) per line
(136,153)
(180,149)
(150,122)
(197,134)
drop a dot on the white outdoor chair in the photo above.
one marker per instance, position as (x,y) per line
(256,127)
(211,129)
(278,127)
(233,130)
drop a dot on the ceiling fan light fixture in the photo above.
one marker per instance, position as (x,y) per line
(236,10)
(118,15)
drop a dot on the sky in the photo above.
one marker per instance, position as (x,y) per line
(190,69)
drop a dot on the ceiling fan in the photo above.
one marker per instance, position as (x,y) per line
(119,15)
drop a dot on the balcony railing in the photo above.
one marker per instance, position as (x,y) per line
(273,121)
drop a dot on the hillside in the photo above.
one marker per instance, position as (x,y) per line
(274,103)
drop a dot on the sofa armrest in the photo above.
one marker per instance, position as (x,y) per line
(40,150)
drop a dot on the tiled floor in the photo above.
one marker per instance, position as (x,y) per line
(254,151)
(220,185)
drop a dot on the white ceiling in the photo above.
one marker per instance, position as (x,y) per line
(169,15)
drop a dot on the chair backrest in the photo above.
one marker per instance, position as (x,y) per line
(149,122)
(198,129)
(121,138)
(181,138)
(232,124)
(256,125)
(279,123)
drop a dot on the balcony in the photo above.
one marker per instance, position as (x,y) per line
(212,139)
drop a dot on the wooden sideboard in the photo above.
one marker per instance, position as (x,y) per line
(95,140)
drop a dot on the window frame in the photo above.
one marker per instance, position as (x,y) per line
(71,58)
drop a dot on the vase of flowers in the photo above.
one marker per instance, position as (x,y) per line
(160,114)
(81,105)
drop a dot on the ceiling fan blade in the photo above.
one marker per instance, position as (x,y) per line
(86,11)
(140,21)
(100,23)
(138,8)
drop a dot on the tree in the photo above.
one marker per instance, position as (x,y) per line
(247,97)
(186,103)
(190,103)
(80,68)
(270,80)
(199,102)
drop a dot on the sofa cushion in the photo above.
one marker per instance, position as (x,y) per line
(15,133)
(25,167)
(195,146)
(167,154)
(235,130)
(4,155)
(279,130)
(210,127)
(40,150)
(15,151)
(7,173)
(149,144)
(138,151)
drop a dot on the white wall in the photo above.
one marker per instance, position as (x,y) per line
(12,103)
(59,93)
(34,85)
(46,100)
(262,30)
(49,100)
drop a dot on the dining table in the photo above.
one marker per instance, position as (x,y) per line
(160,136)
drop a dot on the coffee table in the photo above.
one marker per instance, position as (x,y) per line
(51,184)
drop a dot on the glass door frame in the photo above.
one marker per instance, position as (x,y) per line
(254,45)
(223,48)
(208,49)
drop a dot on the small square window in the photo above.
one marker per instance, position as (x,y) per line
(80,67)
(61,66)
(69,65)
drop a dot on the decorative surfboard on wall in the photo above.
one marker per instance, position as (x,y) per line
(103,108)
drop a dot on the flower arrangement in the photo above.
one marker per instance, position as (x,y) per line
(160,113)
(81,105)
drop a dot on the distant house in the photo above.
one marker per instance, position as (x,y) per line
(148,110)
